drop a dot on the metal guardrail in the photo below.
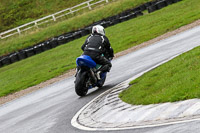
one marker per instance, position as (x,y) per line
(52,17)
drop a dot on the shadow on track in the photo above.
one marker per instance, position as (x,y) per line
(97,91)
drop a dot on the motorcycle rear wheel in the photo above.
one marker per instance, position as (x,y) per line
(80,84)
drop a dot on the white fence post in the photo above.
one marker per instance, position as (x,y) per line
(107,1)
(18,30)
(36,25)
(54,18)
(71,11)
(88,3)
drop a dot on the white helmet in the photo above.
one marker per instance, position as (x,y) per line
(98,29)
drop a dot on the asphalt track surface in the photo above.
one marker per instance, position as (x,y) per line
(50,110)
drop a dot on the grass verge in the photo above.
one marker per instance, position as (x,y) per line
(52,63)
(14,13)
(181,81)
(19,42)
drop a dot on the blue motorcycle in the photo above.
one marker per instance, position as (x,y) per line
(86,76)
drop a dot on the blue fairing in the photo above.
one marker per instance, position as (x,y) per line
(85,60)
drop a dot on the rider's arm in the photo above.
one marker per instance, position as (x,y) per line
(86,42)
(108,47)
(84,45)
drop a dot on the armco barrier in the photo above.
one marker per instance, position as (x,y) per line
(70,36)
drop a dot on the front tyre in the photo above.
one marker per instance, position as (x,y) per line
(80,84)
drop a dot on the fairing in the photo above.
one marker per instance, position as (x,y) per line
(85,60)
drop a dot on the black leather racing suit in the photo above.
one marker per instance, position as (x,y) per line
(96,45)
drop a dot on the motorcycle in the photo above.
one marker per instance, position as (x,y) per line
(86,76)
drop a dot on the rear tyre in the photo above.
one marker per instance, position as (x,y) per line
(80,84)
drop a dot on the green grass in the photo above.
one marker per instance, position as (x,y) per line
(52,63)
(38,68)
(14,13)
(19,42)
(179,79)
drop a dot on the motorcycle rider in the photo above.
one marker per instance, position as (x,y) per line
(98,47)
